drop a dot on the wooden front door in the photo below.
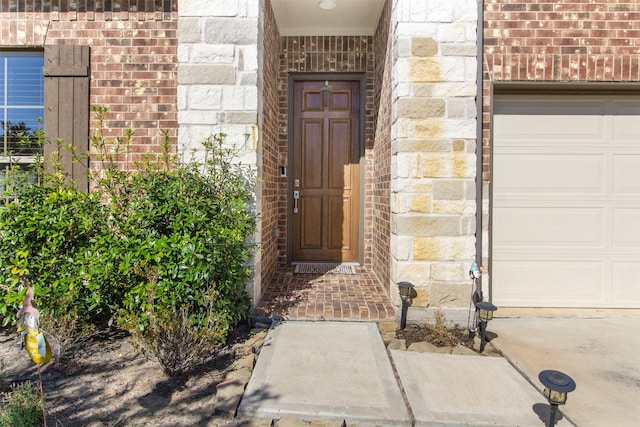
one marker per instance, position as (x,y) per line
(326,172)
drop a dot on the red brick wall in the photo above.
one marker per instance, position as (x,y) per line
(381,185)
(558,41)
(133,63)
(329,54)
(274,187)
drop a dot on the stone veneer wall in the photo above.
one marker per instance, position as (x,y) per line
(433,151)
(218,82)
(133,63)
(274,187)
(339,54)
(381,185)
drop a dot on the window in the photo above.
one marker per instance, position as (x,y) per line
(21,109)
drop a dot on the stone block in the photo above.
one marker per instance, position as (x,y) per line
(233,98)
(446,295)
(459,145)
(420,203)
(427,225)
(411,185)
(449,272)
(228,395)
(443,248)
(454,32)
(202,117)
(456,108)
(463,350)
(234,31)
(424,46)
(190,74)
(416,29)
(212,54)
(422,347)
(423,145)
(238,117)
(459,49)
(401,247)
(204,97)
(249,55)
(208,8)
(448,189)
(189,30)
(420,107)
(415,273)
(397,344)
(245,362)
(460,207)
(439,10)
(387,337)
(446,89)
(388,326)
(421,298)
(448,165)
(424,70)
(336,422)
(430,128)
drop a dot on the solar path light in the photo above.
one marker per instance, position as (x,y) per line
(404,288)
(485,313)
(556,387)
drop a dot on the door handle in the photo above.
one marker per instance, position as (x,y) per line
(296,196)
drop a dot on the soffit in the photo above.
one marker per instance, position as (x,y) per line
(348,18)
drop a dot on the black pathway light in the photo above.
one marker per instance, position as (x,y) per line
(405,289)
(556,386)
(485,313)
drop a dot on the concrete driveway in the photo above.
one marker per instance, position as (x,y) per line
(599,349)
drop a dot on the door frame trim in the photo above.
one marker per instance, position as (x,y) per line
(301,77)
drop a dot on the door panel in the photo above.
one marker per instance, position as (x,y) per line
(325,163)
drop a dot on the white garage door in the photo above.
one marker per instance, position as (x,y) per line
(566,201)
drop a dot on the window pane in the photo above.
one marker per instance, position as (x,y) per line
(21,102)
(24,80)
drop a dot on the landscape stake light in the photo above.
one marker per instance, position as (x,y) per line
(556,387)
(404,288)
(485,313)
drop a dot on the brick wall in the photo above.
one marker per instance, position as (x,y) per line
(558,41)
(274,187)
(381,185)
(329,54)
(132,64)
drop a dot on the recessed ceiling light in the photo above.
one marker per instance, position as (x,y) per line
(327,4)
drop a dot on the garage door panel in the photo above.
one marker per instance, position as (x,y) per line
(541,227)
(536,283)
(626,120)
(625,175)
(626,229)
(625,281)
(565,229)
(547,174)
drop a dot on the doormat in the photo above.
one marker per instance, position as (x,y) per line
(321,268)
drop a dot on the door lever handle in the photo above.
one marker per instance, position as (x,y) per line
(296,196)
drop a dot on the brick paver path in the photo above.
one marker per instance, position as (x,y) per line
(328,296)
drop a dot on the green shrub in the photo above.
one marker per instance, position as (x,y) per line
(168,243)
(21,407)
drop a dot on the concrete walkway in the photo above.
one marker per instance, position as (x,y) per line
(339,370)
(601,354)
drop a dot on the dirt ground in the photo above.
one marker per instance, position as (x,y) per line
(106,382)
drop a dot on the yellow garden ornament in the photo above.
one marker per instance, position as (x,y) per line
(31,337)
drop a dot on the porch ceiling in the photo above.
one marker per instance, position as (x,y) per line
(306,18)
